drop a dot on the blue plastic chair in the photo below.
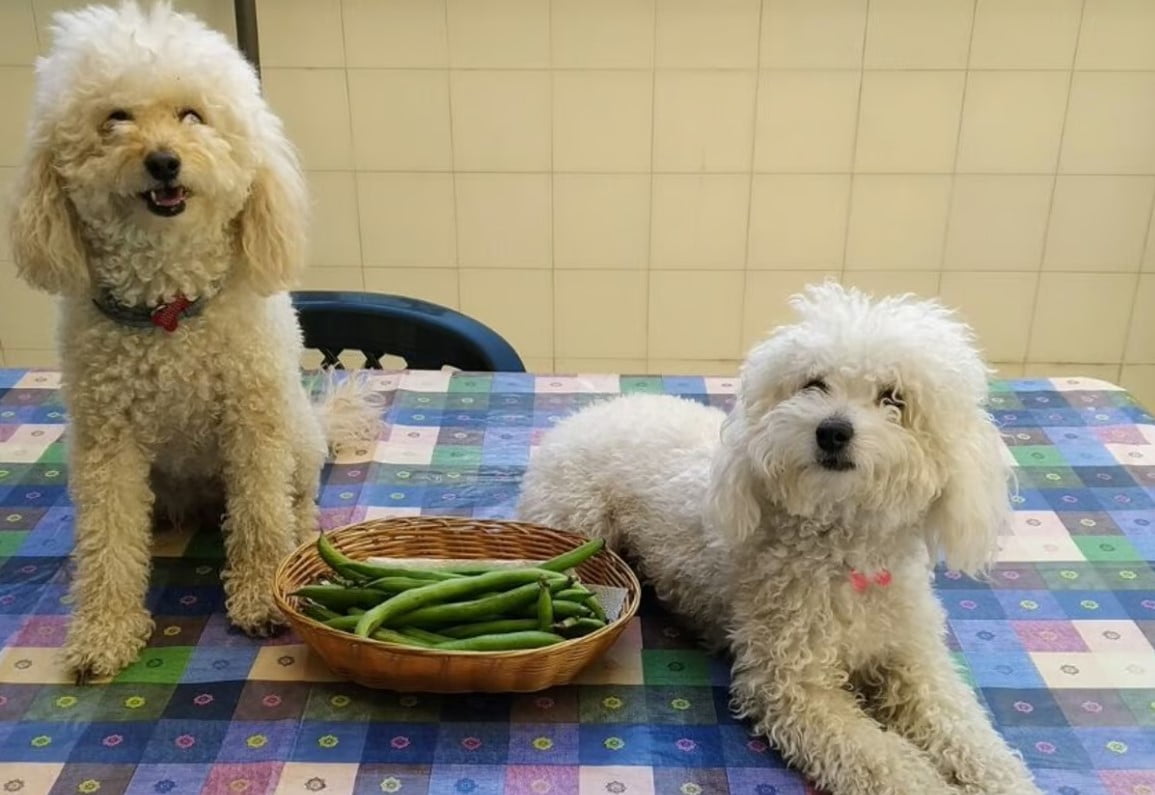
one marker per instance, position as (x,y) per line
(427,336)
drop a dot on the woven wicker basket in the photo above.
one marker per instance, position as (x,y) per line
(374,664)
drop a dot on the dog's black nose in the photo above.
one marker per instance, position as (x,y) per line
(834,434)
(162,165)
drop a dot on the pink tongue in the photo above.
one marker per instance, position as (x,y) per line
(168,197)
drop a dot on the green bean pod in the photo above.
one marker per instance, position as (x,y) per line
(475,610)
(493,627)
(343,623)
(563,609)
(473,569)
(562,562)
(574,557)
(416,633)
(510,641)
(389,636)
(445,591)
(373,571)
(583,595)
(576,594)
(395,584)
(566,609)
(336,597)
(544,607)
(319,612)
(362,571)
(579,627)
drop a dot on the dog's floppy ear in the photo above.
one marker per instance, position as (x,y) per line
(974,507)
(731,500)
(271,225)
(45,232)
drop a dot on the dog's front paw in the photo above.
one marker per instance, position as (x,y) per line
(1001,778)
(103,644)
(252,610)
(986,768)
(893,766)
(262,630)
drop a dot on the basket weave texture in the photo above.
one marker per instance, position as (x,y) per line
(380,665)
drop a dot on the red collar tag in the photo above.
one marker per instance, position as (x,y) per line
(860,581)
(167,316)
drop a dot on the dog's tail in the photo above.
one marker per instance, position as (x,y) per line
(348,408)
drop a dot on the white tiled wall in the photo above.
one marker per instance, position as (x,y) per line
(639,184)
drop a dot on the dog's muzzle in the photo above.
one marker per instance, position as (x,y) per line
(169,197)
(833,437)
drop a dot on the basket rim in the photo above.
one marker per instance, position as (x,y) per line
(391,524)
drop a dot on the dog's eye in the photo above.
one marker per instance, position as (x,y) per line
(190,116)
(118,115)
(817,383)
(891,397)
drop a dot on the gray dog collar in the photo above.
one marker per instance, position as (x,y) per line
(166,316)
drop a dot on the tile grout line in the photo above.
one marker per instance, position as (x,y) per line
(41,45)
(1054,189)
(39,49)
(553,296)
(452,159)
(643,69)
(650,214)
(727,269)
(1129,328)
(854,147)
(352,147)
(528,172)
(957,146)
(743,303)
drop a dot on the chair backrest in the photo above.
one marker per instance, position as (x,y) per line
(427,336)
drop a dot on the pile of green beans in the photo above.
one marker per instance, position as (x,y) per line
(456,609)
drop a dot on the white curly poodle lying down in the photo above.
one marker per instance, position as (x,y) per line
(799,533)
(162,201)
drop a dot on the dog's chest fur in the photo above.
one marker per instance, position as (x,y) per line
(863,622)
(165,390)
(853,625)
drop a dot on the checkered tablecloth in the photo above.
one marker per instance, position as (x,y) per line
(1059,642)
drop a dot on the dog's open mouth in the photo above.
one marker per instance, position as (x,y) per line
(166,201)
(835,463)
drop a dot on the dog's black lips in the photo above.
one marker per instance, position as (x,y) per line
(835,463)
(166,200)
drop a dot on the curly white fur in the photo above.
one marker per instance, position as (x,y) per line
(761,539)
(168,422)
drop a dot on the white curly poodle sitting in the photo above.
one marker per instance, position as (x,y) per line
(162,201)
(799,533)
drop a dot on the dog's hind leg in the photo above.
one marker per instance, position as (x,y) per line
(346,412)
(309,457)
(110,624)
(549,497)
